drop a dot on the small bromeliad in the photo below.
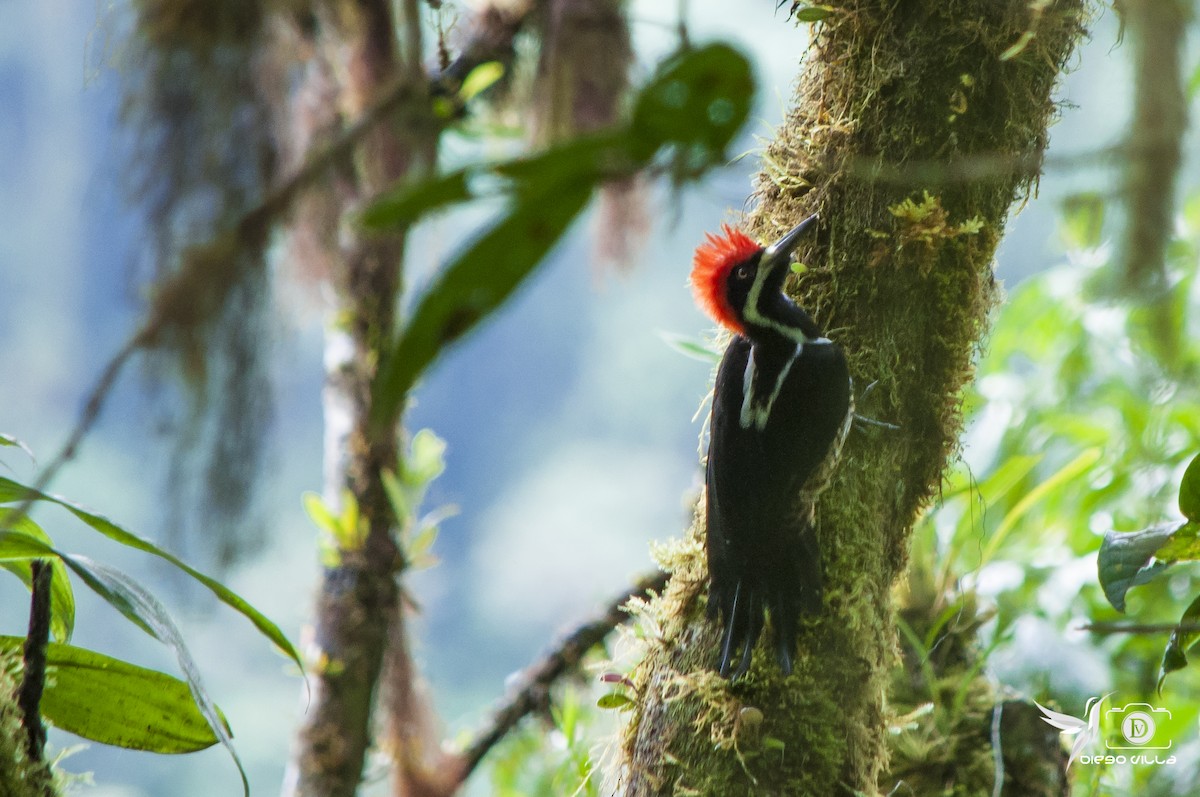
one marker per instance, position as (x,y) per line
(780,412)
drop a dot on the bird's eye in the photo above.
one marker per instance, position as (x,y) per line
(743,272)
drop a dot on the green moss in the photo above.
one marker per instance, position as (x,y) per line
(19,775)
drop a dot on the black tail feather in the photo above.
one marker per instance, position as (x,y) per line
(733,610)
(787,585)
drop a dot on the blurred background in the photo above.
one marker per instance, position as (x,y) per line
(568,420)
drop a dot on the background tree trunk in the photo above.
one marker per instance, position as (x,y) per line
(358,611)
(916,126)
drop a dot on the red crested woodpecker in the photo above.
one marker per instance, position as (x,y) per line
(780,412)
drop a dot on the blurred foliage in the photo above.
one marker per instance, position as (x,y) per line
(682,122)
(557,758)
(1082,426)
(344,530)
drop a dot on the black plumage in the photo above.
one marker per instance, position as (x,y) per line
(773,445)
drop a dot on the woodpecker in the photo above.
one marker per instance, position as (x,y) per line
(781,408)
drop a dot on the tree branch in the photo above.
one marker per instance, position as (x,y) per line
(532,688)
(33,679)
(1105,629)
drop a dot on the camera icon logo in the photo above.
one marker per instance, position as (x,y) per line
(1138,723)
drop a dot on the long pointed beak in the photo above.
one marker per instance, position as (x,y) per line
(781,251)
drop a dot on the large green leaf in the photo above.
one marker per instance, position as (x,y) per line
(11,491)
(144,610)
(406,203)
(1124,560)
(114,702)
(695,104)
(474,284)
(62,597)
(699,99)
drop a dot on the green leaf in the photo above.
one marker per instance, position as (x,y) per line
(688,347)
(426,459)
(699,98)
(402,206)
(1181,641)
(318,513)
(350,531)
(586,159)
(145,611)
(417,552)
(1189,491)
(1183,545)
(1007,475)
(62,597)
(697,102)
(114,702)
(1124,560)
(614,700)
(480,79)
(19,546)
(813,13)
(474,284)
(11,491)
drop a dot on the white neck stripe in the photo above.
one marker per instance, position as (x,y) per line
(755,410)
(753,317)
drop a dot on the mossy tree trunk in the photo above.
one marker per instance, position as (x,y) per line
(917,124)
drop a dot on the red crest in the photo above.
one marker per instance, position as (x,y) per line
(713,261)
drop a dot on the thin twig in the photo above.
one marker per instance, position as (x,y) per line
(1140,628)
(533,686)
(87,418)
(33,678)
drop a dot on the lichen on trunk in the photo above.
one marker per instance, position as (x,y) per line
(917,124)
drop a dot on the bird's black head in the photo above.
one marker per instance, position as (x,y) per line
(740,284)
